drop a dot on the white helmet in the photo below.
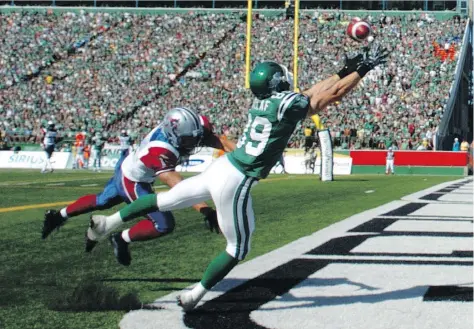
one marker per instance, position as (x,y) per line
(183,129)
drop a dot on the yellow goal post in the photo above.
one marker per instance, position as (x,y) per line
(295,43)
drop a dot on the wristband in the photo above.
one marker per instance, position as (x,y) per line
(363,70)
(344,72)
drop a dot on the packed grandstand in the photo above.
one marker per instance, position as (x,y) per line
(108,71)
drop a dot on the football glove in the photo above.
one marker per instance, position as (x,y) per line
(210,220)
(372,57)
(351,61)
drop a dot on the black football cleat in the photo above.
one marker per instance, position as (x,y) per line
(52,221)
(120,249)
(90,244)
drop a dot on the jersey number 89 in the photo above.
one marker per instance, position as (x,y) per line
(255,138)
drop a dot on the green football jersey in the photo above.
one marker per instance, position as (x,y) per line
(98,143)
(271,122)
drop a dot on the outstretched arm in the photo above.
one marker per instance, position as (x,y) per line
(351,61)
(320,98)
(220,143)
(323,85)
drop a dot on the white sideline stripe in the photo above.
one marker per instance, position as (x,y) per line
(415,197)
(440,202)
(172,314)
(87,185)
(384,257)
(467,218)
(56,184)
(42,182)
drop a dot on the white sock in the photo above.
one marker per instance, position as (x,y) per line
(126,236)
(113,221)
(198,291)
(48,164)
(63,213)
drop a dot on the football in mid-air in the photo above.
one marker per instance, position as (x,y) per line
(358,29)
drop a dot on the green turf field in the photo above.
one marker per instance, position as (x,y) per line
(43,283)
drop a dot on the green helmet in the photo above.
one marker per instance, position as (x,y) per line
(268,78)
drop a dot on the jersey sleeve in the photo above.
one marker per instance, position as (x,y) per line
(293,107)
(207,125)
(158,157)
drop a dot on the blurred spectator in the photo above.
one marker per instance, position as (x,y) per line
(456,144)
(464,146)
(90,72)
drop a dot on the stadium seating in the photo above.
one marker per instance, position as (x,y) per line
(112,71)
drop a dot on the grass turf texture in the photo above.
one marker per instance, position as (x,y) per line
(43,284)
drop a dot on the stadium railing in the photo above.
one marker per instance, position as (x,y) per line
(440,15)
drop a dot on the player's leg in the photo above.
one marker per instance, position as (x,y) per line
(47,161)
(94,156)
(282,163)
(99,155)
(108,198)
(387,167)
(45,164)
(236,221)
(78,161)
(183,195)
(392,169)
(95,160)
(156,225)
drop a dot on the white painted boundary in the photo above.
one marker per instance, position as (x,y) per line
(171,316)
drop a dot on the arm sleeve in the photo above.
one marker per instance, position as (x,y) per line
(158,158)
(293,107)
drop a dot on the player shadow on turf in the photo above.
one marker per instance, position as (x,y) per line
(318,301)
(351,180)
(90,296)
(157,280)
(227,285)
(171,280)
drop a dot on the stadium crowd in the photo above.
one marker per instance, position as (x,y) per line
(112,71)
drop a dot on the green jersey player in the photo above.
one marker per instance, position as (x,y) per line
(228,181)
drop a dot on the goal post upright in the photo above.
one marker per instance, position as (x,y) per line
(295,44)
(249,43)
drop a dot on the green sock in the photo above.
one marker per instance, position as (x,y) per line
(218,269)
(139,207)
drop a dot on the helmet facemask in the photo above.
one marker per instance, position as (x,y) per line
(183,130)
(190,144)
(269,78)
(286,79)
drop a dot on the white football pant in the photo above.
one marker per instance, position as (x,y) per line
(389,166)
(80,159)
(230,191)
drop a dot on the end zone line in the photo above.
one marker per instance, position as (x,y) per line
(63,203)
(34,206)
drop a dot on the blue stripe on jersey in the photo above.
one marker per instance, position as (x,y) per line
(158,135)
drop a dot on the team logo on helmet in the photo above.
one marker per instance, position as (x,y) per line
(273,84)
(174,124)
